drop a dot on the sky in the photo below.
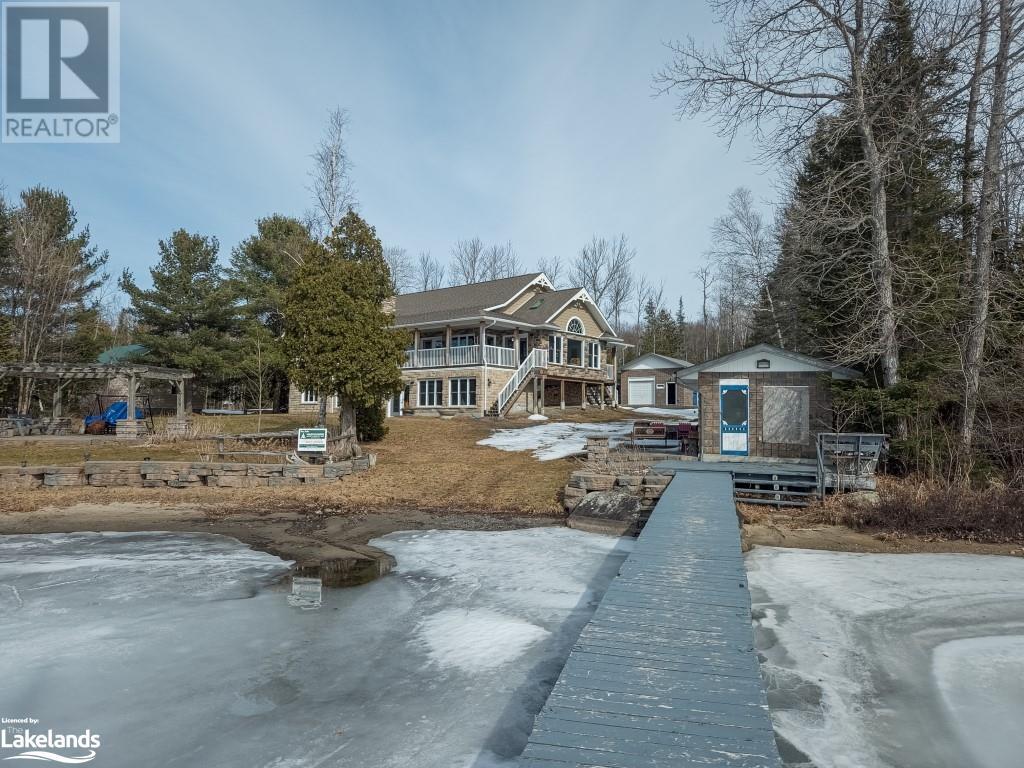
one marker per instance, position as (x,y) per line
(534,122)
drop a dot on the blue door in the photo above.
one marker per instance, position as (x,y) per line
(734,401)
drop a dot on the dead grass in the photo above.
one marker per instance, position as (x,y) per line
(910,507)
(426,463)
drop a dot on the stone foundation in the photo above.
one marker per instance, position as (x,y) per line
(182,474)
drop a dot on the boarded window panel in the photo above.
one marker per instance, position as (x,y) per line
(785,416)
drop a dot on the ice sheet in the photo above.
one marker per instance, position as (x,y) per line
(181,650)
(892,661)
(555,439)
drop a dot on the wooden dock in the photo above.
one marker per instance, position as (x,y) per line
(665,674)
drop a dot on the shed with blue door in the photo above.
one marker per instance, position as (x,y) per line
(763,402)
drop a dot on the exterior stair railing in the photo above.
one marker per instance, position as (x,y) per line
(538,358)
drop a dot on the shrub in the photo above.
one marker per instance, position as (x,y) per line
(371,423)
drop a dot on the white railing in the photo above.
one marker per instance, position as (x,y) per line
(502,357)
(505,357)
(469,355)
(538,358)
(424,358)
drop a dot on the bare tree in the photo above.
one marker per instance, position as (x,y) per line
(642,289)
(403,274)
(742,250)
(552,267)
(467,262)
(429,273)
(786,65)
(980,277)
(331,177)
(706,276)
(604,268)
(500,261)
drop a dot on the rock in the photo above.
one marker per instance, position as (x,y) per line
(612,512)
(861,499)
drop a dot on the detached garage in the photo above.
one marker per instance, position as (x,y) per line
(650,380)
(640,391)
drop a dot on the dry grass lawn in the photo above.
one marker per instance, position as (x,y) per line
(426,463)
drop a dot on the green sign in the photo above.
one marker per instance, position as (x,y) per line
(312,440)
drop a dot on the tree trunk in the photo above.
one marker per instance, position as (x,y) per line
(981,266)
(775,318)
(321,417)
(348,446)
(970,129)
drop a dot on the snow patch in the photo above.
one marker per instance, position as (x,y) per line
(556,439)
(476,641)
(537,417)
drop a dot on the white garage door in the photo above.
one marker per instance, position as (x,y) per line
(641,392)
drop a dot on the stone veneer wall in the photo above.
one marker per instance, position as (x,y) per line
(182,474)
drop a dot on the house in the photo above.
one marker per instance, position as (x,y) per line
(514,344)
(763,402)
(651,380)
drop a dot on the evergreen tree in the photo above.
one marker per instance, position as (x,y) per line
(262,267)
(49,277)
(338,333)
(189,318)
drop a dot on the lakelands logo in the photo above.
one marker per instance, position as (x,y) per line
(61,72)
(18,734)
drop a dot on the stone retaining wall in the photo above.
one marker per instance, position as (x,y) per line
(648,488)
(181,474)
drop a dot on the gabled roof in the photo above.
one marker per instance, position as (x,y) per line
(654,358)
(480,301)
(544,306)
(728,363)
(460,301)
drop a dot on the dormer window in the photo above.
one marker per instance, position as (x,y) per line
(575,325)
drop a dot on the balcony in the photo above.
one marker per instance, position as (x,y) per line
(499,357)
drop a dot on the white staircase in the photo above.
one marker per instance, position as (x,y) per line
(538,358)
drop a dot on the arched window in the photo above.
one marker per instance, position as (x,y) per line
(575,325)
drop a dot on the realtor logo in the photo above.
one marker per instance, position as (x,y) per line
(61,79)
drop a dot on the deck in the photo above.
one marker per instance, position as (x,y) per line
(665,674)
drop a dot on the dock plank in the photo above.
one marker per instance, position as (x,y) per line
(665,673)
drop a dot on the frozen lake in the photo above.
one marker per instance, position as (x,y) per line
(182,650)
(892,661)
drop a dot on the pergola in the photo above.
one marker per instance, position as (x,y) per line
(135,373)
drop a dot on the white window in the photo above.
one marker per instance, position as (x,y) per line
(575,325)
(594,355)
(463,340)
(310,397)
(430,393)
(555,349)
(462,391)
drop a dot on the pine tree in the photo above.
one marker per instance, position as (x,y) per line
(338,333)
(190,317)
(262,266)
